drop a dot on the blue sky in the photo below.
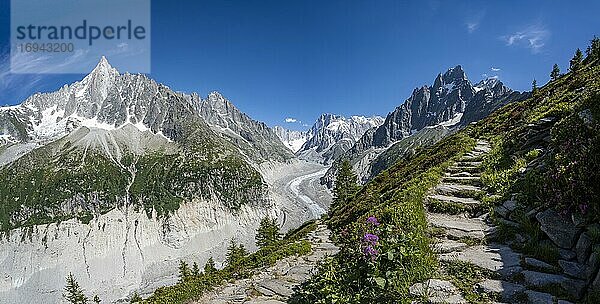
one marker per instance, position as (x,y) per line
(298,59)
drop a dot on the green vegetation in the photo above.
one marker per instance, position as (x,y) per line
(73,292)
(555,72)
(575,62)
(239,264)
(465,276)
(437,206)
(41,182)
(345,185)
(267,233)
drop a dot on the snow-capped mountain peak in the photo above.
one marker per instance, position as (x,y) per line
(331,135)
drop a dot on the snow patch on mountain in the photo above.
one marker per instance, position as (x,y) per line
(292,139)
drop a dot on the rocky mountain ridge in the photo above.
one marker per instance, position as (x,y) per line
(451,102)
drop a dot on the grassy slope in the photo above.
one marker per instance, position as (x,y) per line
(395,198)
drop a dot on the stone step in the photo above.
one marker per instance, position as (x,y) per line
(468,180)
(507,291)
(457,226)
(462,174)
(456,169)
(539,280)
(471,157)
(462,163)
(452,189)
(454,199)
(495,257)
(447,246)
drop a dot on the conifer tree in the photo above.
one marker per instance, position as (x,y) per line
(345,185)
(575,63)
(96,299)
(267,233)
(195,270)
(593,50)
(184,271)
(555,72)
(534,87)
(73,292)
(209,267)
(235,253)
(135,298)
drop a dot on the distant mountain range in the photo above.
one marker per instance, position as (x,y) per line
(329,137)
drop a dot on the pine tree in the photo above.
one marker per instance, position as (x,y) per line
(235,254)
(184,271)
(209,267)
(345,185)
(73,292)
(267,233)
(575,63)
(135,298)
(96,299)
(555,72)
(195,270)
(593,50)
(534,87)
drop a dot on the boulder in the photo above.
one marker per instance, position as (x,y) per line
(506,290)
(583,247)
(573,269)
(562,232)
(566,254)
(539,265)
(536,297)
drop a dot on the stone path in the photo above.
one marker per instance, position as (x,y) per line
(464,237)
(274,284)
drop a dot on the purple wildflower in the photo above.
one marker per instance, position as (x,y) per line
(370,252)
(372,220)
(370,238)
(583,208)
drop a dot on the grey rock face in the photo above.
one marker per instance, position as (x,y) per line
(561,231)
(254,137)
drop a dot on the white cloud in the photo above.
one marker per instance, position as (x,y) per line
(474,20)
(495,69)
(290,120)
(472,26)
(533,37)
